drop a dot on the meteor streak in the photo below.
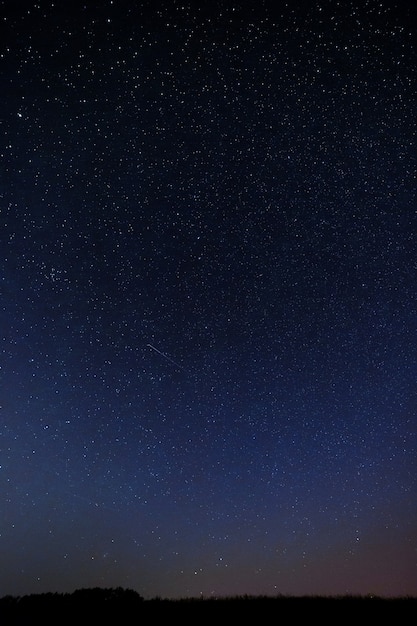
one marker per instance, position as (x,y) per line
(165,356)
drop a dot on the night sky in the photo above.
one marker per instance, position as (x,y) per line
(208,311)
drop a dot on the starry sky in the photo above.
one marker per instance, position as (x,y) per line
(208,297)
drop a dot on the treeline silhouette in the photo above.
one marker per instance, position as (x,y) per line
(81,606)
(124,606)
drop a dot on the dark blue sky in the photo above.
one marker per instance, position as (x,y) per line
(208,297)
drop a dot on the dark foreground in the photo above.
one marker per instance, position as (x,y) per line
(123,606)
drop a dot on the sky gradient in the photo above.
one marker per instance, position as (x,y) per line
(208,285)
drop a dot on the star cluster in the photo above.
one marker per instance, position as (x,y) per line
(208,297)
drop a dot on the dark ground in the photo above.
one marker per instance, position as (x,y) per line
(120,606)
